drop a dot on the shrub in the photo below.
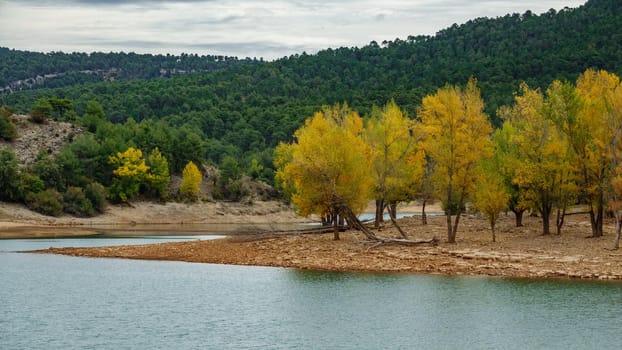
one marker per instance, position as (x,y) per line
(96,193)
(46,168)
(8,131)
(30,183)
(40,111)
(48,202)
(76,203)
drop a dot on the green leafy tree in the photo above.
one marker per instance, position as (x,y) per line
(41,111)
(8,131)
(60,107)
(96,193)
(255,169)
(47,169)
(75,202)
(158,177)
(9,176)
(229,181)
(94,115)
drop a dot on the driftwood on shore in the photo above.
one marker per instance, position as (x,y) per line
(353,222)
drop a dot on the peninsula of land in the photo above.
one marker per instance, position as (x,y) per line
(519,251)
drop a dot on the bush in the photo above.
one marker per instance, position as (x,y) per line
(41,111)
(47,169)
(96,193)
(76,203)
(48,202)
(8,131)
(30,183)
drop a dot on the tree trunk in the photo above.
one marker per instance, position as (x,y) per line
(599,218)
(616,241)
(492,227)
(424,217)
(546,207)
(379,209)
(393,210)
(546,230)
(559,220)
(518,214)
(450,238)
(454,230)
(335,227)
(596,219)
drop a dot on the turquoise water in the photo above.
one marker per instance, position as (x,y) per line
(12,245)
(59,302)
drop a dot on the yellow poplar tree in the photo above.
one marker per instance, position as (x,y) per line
(130,173)
(191,181)
(398,160)
(562,106)
(327,166)
(457,139)
(505,158)
(491,197)
(540,162)
(591,135)
(615,124)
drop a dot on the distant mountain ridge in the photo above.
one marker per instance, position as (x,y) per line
(25,69)
(245,110)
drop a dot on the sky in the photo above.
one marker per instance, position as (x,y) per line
(245,28)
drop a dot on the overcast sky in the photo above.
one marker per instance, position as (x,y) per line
(244,28)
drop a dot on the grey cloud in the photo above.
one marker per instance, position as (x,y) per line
(262,28)
(241,49)
(104,2)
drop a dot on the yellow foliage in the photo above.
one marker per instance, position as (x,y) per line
(398,159)
(457,139)
(541,150)
(191,181)
(130,163)
(328,164)
(491,197)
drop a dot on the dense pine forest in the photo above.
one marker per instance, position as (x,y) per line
(233,112)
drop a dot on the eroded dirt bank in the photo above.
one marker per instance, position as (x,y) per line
(16,221)
(519,252)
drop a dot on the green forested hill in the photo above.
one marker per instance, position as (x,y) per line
(19,69)
(245,110)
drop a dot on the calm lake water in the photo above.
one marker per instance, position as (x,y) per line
(59,302)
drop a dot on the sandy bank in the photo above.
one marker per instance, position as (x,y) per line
(520,252)
(16,221)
